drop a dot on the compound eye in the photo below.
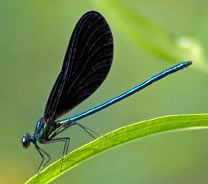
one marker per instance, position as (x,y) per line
(26,140)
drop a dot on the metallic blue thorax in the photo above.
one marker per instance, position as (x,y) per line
(43,130)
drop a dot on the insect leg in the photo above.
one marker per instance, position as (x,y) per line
(63,127)
(70,123)
(66,141)
(89,131)
(41,152)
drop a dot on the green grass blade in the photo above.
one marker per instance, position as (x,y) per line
(117,137)
(151,37)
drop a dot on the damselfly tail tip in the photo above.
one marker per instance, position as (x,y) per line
(186,64)
(189,63)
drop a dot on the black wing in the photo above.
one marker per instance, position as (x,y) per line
(86,64)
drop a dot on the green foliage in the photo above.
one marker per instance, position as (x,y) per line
(145,34)
(156,41)
(117,137)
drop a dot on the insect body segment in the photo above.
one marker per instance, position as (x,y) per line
(86,64)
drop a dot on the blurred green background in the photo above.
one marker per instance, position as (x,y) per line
(33,40)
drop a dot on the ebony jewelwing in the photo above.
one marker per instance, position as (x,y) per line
(86,64)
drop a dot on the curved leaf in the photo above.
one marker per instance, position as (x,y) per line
(117,137)
(151,37)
